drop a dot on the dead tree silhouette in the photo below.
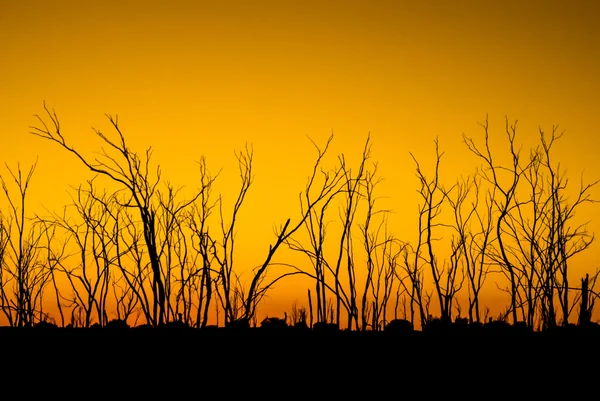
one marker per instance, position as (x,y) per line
(132,172)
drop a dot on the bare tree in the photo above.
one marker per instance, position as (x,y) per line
(132,172)
(352,191)
(198,283)
(308,203)
(5,279)
(173,250)
(126,300)
(476,241)
(135,270)
(447,278)
(347,187)
(316,228)
(128,284)
(411,276)
(505,181)
(551,238)
(469,243)
(533,236)
(382,254)
(24,271)
(223,253)
(56,252)
(94,239)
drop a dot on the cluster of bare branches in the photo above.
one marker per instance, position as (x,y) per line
(159,255)
(143,252)
(338,289)
(25,269)
(516,220)
(535,232)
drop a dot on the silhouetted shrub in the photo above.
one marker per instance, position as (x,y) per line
(44,325)
(238,324)
(399,326)
(117,324)
(437,326)
(301,326)
(273,323)
(475,328)
(324,327)
(176,325)
(461,326)
(497,327)
(521,328)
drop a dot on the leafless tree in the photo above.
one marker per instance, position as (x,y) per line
(228,290)
(135,271)
(88,269)
(352,191)
(197,287)
(5,279)
(55,249)
(139,185)
(382,253)
(477,239)
(411,277)
(126,299)
(316,228)
(173,250)
(448,277)
(347,188)
(24,270)
(533,236)
(308,203)
(551,239)
(505,181)
(470,239)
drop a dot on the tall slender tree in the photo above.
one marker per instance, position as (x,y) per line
(140,191)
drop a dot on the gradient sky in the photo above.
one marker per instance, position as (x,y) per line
(193,78)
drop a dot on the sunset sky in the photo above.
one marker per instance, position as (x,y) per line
(204,78)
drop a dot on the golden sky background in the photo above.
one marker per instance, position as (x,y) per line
(193,78)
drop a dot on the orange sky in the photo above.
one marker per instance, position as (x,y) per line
(193,78)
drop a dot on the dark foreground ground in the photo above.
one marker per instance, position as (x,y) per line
(173,362)
(322,341)
(277,328)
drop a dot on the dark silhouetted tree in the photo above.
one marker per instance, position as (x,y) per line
(505,181)
(229,288)
(197,285)
(447,277)
(559,240)
(473,235)
(308,203)
(24,271)
(316,224)
(382,253)
(534,238)
(90,230)
(139,189)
